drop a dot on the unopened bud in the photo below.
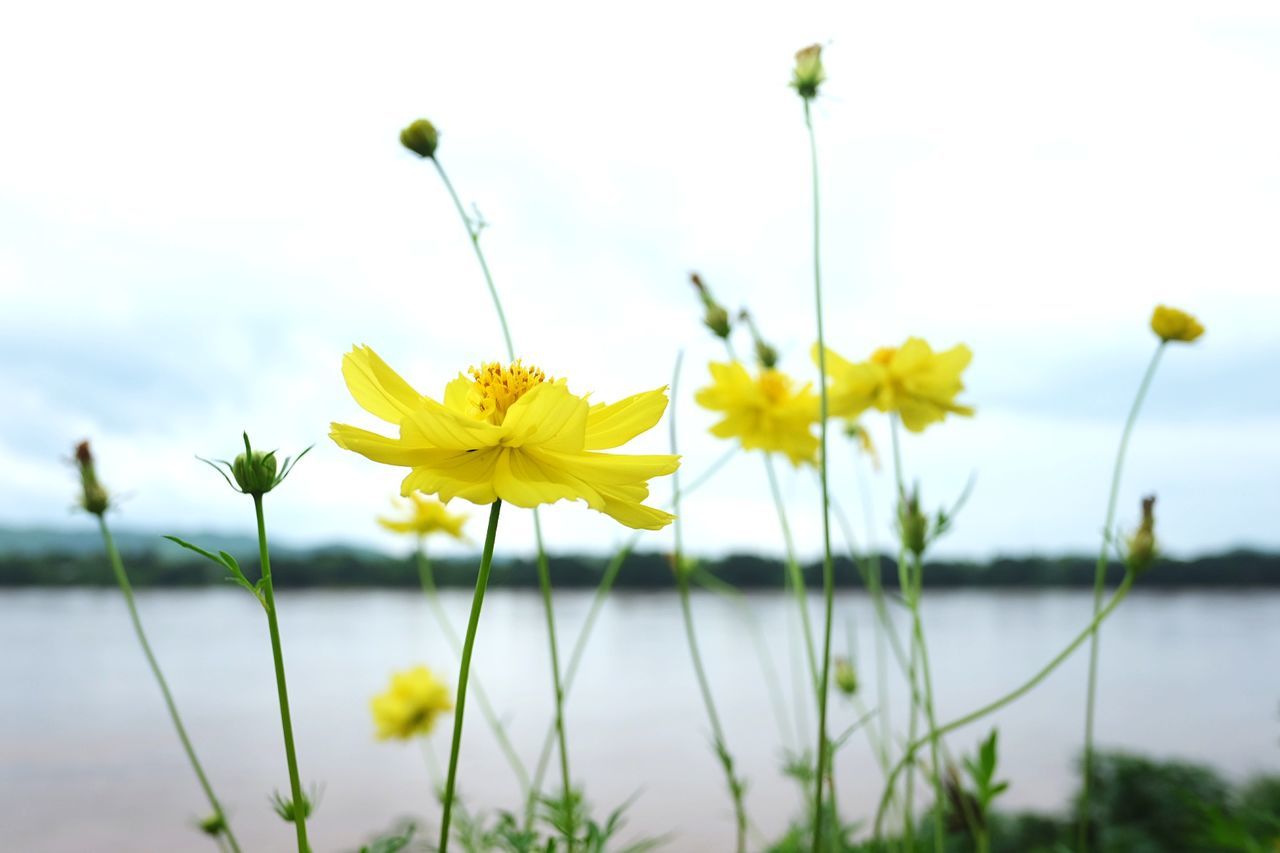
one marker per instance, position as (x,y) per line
(808,73)
(214,825)
(93,497)
(913,526)
(255,473)
(716,318)
(1142,550)
(846,677)
(421,138)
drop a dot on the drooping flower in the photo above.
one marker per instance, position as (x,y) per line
(410,705)
(426,516)
(1172,324)
(765,412)
(919,384)
(511,434)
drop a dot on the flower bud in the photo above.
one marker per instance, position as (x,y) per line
(214,825)
(913,526)
(1171,324)
(716,318)
(93,497)
(808,73)
(255,473)
(846,677)
(1142,550)
(421,138)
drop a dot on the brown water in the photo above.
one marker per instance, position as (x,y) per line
(89,762)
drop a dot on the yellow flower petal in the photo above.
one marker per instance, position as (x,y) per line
(614,424)
(376,387)
(379,448)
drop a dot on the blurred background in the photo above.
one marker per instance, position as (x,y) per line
(202,209)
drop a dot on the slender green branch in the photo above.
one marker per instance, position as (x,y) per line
(468,645)
(1099,586)
(828,566)
(544,584)
(682,585)
(793,570)
(277,653)
(1013,695)
(122,578)
(427,576)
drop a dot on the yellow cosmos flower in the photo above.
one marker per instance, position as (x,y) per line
(411,704)
(765,412)
(1171,324)
(509,433)
(426,516)
(919,384)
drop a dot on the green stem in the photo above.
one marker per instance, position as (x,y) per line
(473,234)
(607,579)
(793,570)
(277,654)
(544,583)
(122,578)
(1099,586)
(682,584)
(828,567)
(427,576)
(1012,696)
(468,645)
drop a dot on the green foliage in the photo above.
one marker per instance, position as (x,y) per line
(397,840)
(982,770)
(558,819)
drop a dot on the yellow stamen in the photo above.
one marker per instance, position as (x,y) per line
(497,388)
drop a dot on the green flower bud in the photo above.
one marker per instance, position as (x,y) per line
(421,138)
(1142,551)
(717,320)
(846,677)
(913,525)
(214,825)
(808,73)
(255,473)
(93,497)
(766,355)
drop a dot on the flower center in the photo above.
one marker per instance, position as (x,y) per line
(884,355)
(774,386)
(497,388)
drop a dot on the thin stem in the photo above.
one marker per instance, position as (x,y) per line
(1015,694)
(468,645)
(828,567)
(122,578)
(427,576)
(793,570)
(473,233)
(607,579)
(544,583)
(1099,586)
(682,585)
(277,654)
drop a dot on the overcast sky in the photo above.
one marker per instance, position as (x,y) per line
(202,208)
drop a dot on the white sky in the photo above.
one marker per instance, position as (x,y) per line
(201,209)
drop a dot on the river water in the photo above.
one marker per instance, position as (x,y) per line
(89,762)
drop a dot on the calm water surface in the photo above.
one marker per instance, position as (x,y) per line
(89,762)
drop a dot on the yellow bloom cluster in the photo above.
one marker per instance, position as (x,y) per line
(1171,324)
(511,434)
(765,412)
(919,384)
(426,516)
(410,705)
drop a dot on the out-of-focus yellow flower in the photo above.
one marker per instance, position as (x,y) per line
(765,412)
(426,516)
(808,73)
(411,704)
(919,384)
(509,433)
(1172,324)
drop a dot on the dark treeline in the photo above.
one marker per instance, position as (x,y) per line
(341,568)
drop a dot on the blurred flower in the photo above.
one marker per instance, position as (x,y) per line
(912,380)
(93,497)
(1171,324)
(426,516)
(421,138)
(410,705)
(766,412)
(1142,549)
(846,677)
(511,434)
(808,73)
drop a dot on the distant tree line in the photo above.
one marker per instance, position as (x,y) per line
(644,570)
